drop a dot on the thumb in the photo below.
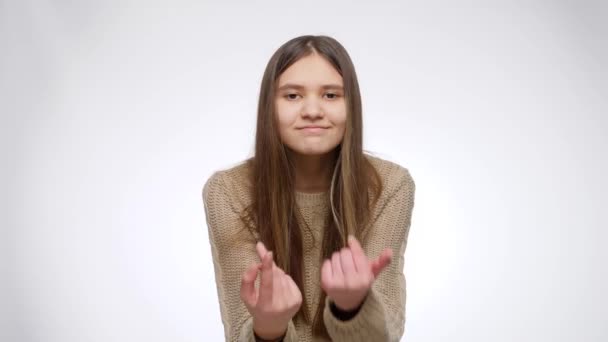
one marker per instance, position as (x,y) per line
(383,260)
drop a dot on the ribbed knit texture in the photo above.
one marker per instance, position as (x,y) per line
(382,315)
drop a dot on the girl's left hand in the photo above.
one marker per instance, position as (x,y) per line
(348,275)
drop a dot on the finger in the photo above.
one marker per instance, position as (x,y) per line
(326,275)
(294,291)
(261,249)
(277,268)
(359,258)
(354,244)
(285,292)
(266,279)
(383,260)
(338,276)
(347,263)
(279,284)
(248,284)
(280,289)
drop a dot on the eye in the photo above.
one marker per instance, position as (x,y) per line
(333,96)
(291,96)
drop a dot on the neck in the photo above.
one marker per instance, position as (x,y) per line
(313,172)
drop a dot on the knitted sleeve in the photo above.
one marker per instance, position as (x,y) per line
(381,317)
(230,261)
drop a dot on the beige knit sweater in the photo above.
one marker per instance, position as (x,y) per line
(382,315)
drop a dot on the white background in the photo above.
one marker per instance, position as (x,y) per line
(114,113)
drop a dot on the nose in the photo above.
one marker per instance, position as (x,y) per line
(312,108)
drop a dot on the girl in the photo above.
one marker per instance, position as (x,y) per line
(308,235)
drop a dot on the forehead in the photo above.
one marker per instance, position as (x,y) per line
(312,71)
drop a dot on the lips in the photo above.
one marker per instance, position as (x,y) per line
(313,130)
(313,127)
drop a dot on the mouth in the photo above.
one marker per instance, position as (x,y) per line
(312,126)
(313,129)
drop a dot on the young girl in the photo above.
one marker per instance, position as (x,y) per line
(308,235)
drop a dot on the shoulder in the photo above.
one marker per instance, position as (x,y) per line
(395,177)
(230,183)
(225,196)
(391,215)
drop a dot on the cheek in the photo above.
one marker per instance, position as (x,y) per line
(338,118)
(285,113)
(340,122)
(285,120)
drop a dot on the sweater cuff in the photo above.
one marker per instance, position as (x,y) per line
(341,314)
(368,324)
(247,334)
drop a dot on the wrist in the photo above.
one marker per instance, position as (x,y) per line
(344,314)
(262,335)
(350,307)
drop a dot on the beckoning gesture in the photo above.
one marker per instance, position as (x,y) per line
(348,275)
(346,279)
(277,299)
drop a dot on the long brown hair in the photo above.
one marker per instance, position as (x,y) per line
(355,185)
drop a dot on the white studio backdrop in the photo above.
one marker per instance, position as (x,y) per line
(114,113)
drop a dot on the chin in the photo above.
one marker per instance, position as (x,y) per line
(313,151)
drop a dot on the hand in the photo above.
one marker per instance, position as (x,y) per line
(277,299)
(348,275)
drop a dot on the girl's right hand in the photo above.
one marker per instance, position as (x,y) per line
(275,302)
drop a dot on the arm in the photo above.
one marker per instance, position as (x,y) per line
(230,262)
(381,316)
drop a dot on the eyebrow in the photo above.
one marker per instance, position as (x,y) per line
(300,87)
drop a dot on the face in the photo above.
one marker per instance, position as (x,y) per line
(310,106)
